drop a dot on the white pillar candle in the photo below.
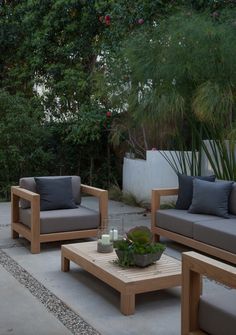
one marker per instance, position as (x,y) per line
(105,239)
(113,234)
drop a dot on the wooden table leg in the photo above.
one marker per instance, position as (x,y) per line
(65,263)
(127,303)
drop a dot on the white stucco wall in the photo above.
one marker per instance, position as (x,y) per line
(141,176)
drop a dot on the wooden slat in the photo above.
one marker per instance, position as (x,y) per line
(205,248)
(23,193)
(68,235)
(102,196)
(206,266)
(156,202)
(22,230)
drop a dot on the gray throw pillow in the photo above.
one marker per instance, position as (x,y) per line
(55,193)
(211,198)
(185,194)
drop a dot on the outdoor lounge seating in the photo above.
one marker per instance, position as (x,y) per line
(210,234)
(207,313)
(68,220)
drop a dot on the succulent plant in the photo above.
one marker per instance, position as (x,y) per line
(140,234)
(138,241)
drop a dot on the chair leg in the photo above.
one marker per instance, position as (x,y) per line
(14,234)
(156,238)
(35,247)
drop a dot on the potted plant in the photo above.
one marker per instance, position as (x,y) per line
(123,249)
(138,248)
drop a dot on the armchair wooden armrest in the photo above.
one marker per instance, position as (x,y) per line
(23,193)
(194,266)
(156,200)
(34,199)
(102,195)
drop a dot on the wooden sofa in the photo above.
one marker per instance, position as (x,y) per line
(207,313)
(28,222)
(173,232)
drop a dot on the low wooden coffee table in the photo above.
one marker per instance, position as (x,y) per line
(165,273)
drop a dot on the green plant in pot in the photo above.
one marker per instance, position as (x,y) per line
(123,249)
(137,248)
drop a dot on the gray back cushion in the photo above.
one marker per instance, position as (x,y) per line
(232,200)
(211,198)
(185,193)
(55,193)
(29,184)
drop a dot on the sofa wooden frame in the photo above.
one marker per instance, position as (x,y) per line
(33,234)
(194,266)
(157,231)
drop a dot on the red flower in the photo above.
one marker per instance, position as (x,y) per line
(107,20)
(108,114)
(140,21)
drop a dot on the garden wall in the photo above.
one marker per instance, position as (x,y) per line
(141,176)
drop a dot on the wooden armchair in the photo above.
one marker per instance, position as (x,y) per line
(32,223)
(217,314)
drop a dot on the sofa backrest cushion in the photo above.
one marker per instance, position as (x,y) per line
(55,193)
(211,198)
(29,184)
(185,194)
(232,200)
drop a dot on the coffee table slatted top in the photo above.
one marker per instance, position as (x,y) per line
(165,273)
(88,251)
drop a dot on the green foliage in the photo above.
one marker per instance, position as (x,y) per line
(142,249)
(140,235)
(87,126)
(221,154)
(178,75)
(169,66)
(49,49)
(23,140)
(138,241)
(123,245)
(125,18)
(168,205)
(132,200)
(115,193)
(212,4)
(64,65)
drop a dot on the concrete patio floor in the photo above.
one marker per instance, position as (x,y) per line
(37,298)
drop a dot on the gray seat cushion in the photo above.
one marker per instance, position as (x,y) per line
(217,313)
(218,232)
(180,221)
(63,220)
(29,184)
